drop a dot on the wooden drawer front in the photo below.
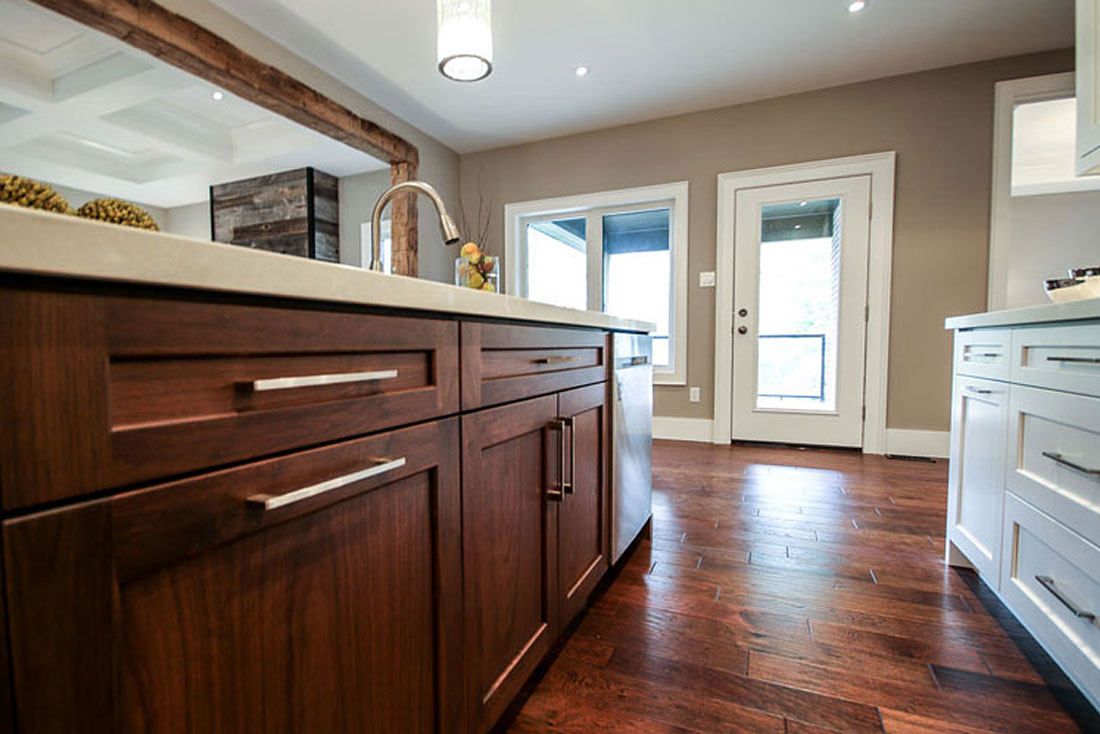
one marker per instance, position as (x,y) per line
(1037,547)
(1052,433)
(124,390)
(502,363)
(1059,357)
(983,353)
(200,611)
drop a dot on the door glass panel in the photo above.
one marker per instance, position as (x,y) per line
(637,272)
(557,262)
(799,306)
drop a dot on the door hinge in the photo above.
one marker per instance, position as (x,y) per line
(864,413)
(867,314)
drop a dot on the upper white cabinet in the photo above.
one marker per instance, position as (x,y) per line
(1088,87)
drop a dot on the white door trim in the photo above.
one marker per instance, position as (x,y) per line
(880,167)
(1007,95)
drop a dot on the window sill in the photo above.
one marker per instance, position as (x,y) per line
(668,380)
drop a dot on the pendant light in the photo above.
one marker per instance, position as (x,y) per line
(465,41)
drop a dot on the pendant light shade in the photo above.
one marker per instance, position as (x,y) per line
(465,39)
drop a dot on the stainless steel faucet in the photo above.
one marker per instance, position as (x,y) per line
(446,225)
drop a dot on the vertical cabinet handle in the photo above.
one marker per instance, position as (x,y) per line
(571,424)
(557,493)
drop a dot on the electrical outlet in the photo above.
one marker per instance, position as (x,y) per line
(706,279)
(693,395)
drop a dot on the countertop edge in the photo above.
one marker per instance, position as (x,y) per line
(1046,313)
(55,245)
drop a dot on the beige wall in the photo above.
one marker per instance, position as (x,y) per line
(939,122)
(1050,234)
(438,163)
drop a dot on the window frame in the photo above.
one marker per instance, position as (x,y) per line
(593,207)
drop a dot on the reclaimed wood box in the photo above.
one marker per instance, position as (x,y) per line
(294,212)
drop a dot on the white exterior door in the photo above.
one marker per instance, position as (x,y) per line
(799,324)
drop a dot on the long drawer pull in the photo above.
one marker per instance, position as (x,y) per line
(1048,584)
(272,502)
(287,383)
(1059,459)
(987,355)
(982,390)
(1075,360)
(557,360)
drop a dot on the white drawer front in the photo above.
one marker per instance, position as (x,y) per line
(983,353)
(1051,581)
(1054,456)
(1058,357)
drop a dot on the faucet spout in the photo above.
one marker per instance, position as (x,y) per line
(446,225)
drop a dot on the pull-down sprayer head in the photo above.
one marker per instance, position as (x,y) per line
(447,226)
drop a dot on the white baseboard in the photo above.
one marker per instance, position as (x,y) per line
(932,444)
(683,429)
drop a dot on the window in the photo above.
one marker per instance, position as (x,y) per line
(621,252)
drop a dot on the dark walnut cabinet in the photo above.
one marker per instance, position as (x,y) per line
(227,515)
(534,530)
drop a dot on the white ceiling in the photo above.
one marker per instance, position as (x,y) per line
(86,111)
(649,58)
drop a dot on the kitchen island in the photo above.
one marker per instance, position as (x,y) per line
(1024,483)
(245,492)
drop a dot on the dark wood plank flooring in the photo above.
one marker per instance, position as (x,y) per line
(790,591)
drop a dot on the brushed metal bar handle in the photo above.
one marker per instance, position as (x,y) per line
(288,383)
(988,355)
(1075,360)
(1048,584)
(558,493)
(1059,459)
(571,424)
(272,502)
(982,390)
(557,360)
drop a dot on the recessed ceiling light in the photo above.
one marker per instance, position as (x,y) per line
(803,203)
(217,96)
(798,226)
(856,5)
(581,70)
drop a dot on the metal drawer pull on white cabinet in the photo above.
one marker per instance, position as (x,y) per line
(982,390)
(272,502)
(1059,459)
(287,383)
(1048,584)
(1075,360)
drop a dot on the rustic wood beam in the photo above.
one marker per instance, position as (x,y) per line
(404,223)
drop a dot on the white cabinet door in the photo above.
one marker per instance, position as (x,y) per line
(1088,87)
(976,481)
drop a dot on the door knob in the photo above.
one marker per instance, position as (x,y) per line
(743,312)
(742,330)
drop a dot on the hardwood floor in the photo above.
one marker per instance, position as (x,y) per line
(791,592)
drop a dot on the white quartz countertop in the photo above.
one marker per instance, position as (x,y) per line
(43,243)
(1047,313)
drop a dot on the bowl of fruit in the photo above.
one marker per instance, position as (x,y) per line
(474,269)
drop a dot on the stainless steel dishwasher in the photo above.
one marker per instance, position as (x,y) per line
(632,439)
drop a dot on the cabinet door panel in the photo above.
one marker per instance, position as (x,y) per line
(976,482)
(509,551)
(582,518)
(335,614)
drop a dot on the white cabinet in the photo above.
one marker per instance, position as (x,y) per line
(1024,482)
(1088,87)
(979,420)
